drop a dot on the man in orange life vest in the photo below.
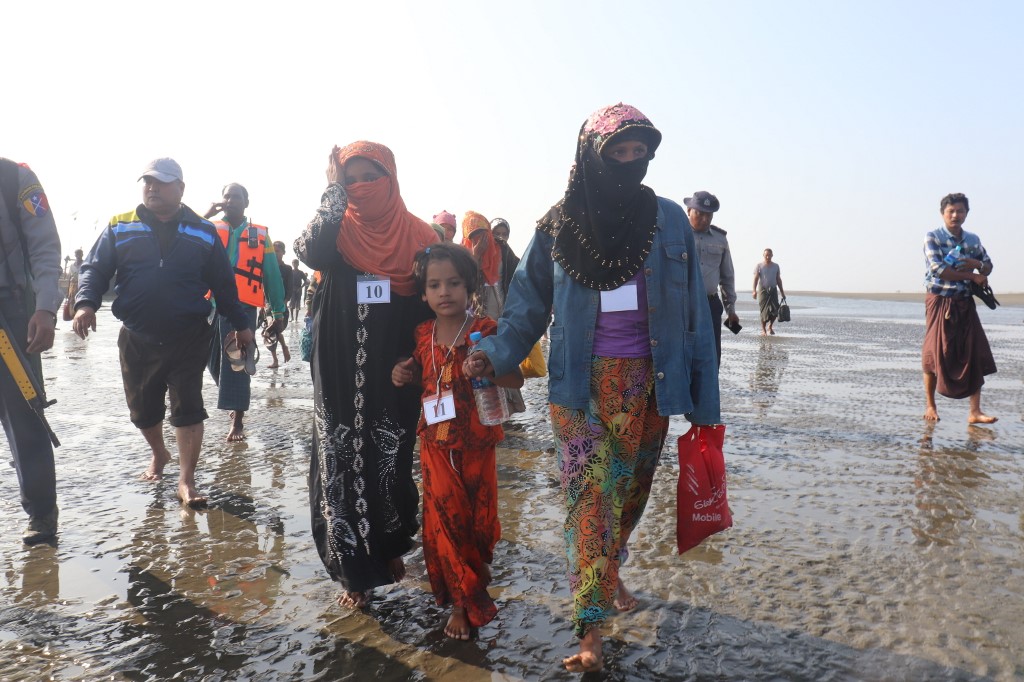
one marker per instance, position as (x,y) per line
(258,279)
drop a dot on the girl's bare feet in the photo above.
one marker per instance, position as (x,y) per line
(590,658)
(624,599)
(457,626)
(353,600)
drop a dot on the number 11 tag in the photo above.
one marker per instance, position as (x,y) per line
(439,408)
(373,289)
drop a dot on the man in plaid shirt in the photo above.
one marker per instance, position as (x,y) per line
(956,356)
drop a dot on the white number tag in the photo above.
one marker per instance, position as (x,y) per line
(439,408)
(617,300)
(373,289)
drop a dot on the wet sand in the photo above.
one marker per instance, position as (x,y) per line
(867,544)
(1015,300)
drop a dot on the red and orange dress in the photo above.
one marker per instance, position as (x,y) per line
(460,481)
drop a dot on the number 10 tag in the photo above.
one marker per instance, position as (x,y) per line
(370,289)
(439,408)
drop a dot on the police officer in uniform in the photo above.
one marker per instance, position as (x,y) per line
(715,262)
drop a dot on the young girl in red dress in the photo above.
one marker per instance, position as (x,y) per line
(460,486)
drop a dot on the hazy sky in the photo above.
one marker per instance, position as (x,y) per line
(828,130)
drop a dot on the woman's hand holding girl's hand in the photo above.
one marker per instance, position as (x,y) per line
(403,372)
(478,365)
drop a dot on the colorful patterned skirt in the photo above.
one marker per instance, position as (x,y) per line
(607,454)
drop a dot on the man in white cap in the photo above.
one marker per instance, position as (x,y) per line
(166,258)
(715,262)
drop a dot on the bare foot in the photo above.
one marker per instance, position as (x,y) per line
(980,418)
(189,496)
(397,567)
(458,624)
(286,353)
(237,430)
(589,659)
(353,600)
(932,415)
(624,599)
(273,366)
(156,466)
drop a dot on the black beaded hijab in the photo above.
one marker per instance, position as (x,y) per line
(604,225)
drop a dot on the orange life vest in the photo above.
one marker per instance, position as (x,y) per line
(249,266)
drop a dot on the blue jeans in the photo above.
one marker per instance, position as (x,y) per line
(30,444)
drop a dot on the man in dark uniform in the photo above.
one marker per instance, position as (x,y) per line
(30,272)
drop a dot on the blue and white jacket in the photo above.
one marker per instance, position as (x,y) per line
(159,295)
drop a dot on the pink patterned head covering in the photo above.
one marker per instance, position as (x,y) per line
(446,218)
(621,121)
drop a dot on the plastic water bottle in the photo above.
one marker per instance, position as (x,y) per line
(953,257)
(491,403)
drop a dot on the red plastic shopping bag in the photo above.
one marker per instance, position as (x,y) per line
(701,505)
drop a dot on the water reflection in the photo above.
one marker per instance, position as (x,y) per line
(40,577)
(772,358)
(944,479)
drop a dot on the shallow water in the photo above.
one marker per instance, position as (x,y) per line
(867,545)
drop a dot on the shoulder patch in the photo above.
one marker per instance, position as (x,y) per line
(33,199)
(716,228)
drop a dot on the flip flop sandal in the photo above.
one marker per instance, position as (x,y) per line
(236,358)
(985,294)
(250,359)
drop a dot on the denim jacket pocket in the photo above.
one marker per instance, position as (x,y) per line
(556,352)
(677,263)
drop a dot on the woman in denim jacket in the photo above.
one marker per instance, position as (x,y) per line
(631,344)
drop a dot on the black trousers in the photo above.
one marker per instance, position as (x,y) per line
(716,323)
(30,444)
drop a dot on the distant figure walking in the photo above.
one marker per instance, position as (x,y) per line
(449,223)
(29,298)
(460,476)
(274,333)
(166,259)
(956,356)
(509,260)
(767,289)
(363,499)
(300,281)
(73,270)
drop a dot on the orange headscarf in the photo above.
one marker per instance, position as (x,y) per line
(490,262)
(378,234)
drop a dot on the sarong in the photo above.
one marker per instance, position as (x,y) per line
(607,455)
(460,526)
(955,348)
(768,303)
